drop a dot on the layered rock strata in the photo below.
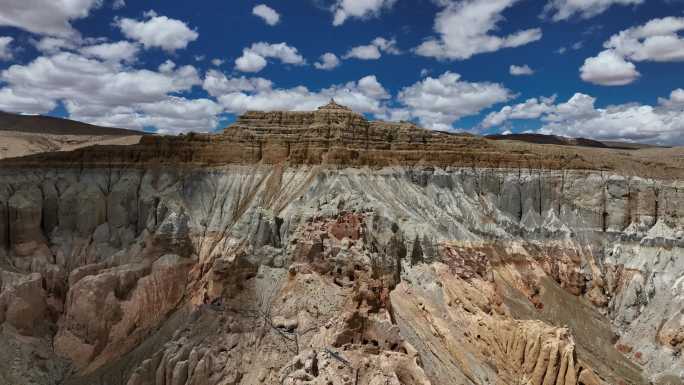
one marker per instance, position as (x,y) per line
(338,137)
(271,254)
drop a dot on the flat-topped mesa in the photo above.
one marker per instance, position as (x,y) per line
(335,135)
(332,134)
(329,121)
(334,125)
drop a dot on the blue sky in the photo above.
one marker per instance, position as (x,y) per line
(607,69)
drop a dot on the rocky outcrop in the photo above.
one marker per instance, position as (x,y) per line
(129,301)
(23,302)
(281,252)
(342,137)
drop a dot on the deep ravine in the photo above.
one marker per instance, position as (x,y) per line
(290,274)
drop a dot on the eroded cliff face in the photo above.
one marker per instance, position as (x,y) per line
(316,274)
(320,248)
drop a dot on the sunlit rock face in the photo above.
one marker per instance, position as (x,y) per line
(275,270)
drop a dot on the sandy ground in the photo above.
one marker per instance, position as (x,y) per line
(15,143)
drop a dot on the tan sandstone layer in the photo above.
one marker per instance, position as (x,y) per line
(335,136)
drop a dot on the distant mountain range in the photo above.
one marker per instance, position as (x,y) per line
(39,124)
(563,141)
(22,135)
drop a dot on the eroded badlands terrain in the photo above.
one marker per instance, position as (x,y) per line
(319,248)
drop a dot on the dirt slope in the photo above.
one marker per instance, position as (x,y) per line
(22,135)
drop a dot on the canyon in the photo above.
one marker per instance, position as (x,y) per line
(322,248)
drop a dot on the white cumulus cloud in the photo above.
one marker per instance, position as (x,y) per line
(118,51)
(167,66)
(238,95)
(628,122)
(52,45)
(676,99)
(344,9)
(48,17)
(171,115)
(370,86)
(657,40)
(520,70)
(374,50)
(250,62)
(253,59)
(565,9)
(28,103)
(608,69)
(158,31)
(662,123)
(532,108)
(107,92)
(439,102)
(268,14)
(216,84)
(364,52)
(327,61)
(465,29)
